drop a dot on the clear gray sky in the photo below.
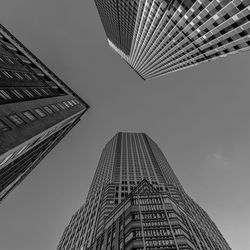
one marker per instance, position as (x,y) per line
(200,118)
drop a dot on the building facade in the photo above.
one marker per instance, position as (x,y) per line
(136,202)
(157,37)
(36,111)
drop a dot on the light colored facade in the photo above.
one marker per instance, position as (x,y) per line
(172,35)
(36,111)
(128,160)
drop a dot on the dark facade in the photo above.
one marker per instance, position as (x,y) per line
(118,18)
(136,202)
(172,35)
(36,111)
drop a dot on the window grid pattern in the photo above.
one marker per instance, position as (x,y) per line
(148,219)
(25,61)
(173,35)
(128,160)
(25,117)
(20,79)
(118,18)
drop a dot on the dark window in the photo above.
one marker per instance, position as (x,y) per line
(18,75)
(17,93)
(16,119)
(29,115)
(55,107)
(66,104)
(4,95)
(28,92)
(61,105)
(3,127)
(70,103)
(40,112)
(27,76)
(49,110)
(7,74)
(37,92)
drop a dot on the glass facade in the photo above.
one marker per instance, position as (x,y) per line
(173,35)
(135,201)
(149,219)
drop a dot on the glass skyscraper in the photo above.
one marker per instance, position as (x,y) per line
(37,109)
(156,37)
(136,202)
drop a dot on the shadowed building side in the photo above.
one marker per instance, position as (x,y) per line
(37,110)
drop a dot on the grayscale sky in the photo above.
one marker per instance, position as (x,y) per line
(200,118)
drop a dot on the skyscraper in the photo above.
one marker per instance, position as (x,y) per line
(156,37)
(37,110)
(136,202)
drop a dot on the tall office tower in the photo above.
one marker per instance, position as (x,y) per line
(136,202)
(156,37)
(36,111)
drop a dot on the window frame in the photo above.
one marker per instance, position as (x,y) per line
(17,118)
(30,113)
(46,108)
(39,112)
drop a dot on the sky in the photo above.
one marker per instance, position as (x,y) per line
(199,117)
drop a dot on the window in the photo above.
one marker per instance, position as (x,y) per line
(34,77)
(27,76)
(61,106)
(16,119)
(3,127)
(29,115)
(45,91)
(49,110)
(66,104)
(7,74)
(55,107)
(9,60)
(70,103)
(37,92)
(16,93)
(4,95)
(40,112)
(18,75)
(28,93)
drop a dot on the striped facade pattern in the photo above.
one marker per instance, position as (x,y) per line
(151,219)
(173,35)
(127,160)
